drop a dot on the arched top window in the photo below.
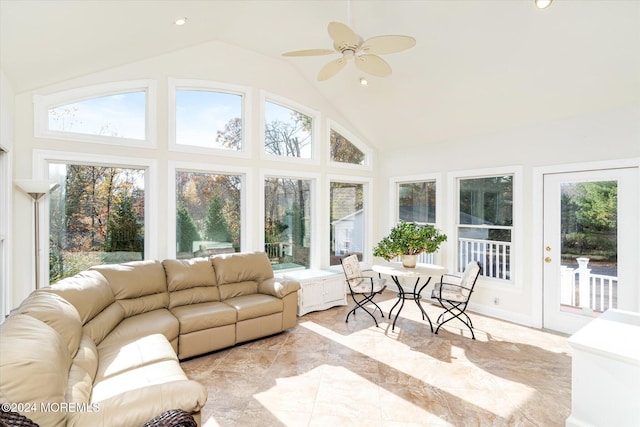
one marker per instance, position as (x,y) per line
(206,116)
(289,130)
(121,113)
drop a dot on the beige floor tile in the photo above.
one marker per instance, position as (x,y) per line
(328,372)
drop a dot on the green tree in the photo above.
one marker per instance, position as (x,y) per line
(597,205)
(125,231)
(186,232)
(216,228)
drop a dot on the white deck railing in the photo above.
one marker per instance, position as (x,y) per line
(493,255)
(580,288)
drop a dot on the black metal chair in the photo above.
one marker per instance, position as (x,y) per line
(362,288)
(454,292)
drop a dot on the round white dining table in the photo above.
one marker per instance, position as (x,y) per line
(396,271)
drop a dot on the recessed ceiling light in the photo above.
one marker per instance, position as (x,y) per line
(364,81)
(180,21)
(543,4)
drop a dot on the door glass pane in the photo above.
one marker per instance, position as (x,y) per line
(589,270)
(347,220)
(96,216)
(207,214)
(287,222)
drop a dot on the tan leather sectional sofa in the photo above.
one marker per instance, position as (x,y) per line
(102,348)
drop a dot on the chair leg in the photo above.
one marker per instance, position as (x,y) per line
(361,304)
(455,315)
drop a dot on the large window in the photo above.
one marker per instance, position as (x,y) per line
(485,226)
(347,219)
(96,216)
(120,113)
(287,222)
(287,132)
(208,219)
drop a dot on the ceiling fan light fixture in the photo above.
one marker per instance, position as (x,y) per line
(180,21)
(543,4)
(363,81)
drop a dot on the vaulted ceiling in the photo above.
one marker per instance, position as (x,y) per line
(479,66)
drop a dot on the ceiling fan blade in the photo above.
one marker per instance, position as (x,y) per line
(373,65)
(343,35)
(331,69)
(309,52)
(387,44)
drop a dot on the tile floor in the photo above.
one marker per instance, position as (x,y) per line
(325,372)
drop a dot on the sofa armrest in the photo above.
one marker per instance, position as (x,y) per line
(278,287)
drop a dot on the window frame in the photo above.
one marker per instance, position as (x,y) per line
(42,104)
(367,194)
(357,142)
(41,161)
(5,231)
(516,254)
(394,206)
(316,247)
(210,86)
(247,233)
(292,105)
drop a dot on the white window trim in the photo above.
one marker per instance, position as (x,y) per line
(367,165)
(317,239)
(247,234)
(5,232)
(212,86)
(42,104)
(394,216)
(367,193)
(41,160)
(516,280)
(315,129)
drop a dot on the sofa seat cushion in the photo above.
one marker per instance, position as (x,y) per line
(135,407)
(256,305)
(197,317)
(119,357)
(152,322)
(156,373)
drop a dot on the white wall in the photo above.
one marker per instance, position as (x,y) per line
(213,61)
(608,135)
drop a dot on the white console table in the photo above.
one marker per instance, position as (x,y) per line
(320,289)
(605,384)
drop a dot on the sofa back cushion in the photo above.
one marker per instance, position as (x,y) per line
(91,295)
(56,312)
(239,274)
(138,286)
(190,281)
(34,365)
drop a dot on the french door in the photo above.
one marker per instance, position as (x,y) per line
(591,245)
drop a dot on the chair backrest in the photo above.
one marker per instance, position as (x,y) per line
(468,280)
(352,270)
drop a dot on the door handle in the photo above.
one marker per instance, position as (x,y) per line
(547,260)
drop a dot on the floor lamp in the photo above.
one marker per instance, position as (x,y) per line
(36,189)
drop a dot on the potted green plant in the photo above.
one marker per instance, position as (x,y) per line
(408,240)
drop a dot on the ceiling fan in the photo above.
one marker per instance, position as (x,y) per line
(364,53)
